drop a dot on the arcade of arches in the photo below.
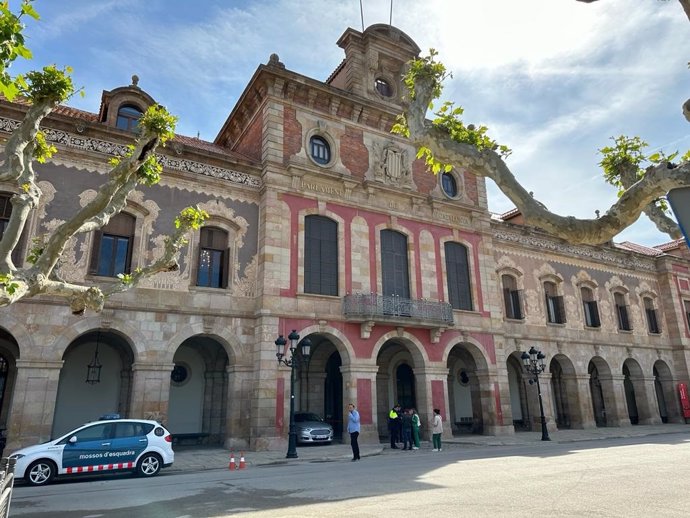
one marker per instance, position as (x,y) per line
(200,387)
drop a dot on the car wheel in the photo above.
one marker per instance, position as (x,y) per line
(40,472)
(149,465)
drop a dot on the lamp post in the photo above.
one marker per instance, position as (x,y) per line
(294,363)
(535,364)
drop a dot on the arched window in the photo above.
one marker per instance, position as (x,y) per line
(212,270)
(320,255)
(555,309)
(383,87)
(590,308)
(458,272)
(112,247)
(128,117)
(652,320)
(511,297)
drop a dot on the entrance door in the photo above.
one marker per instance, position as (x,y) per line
(333,395)
(405,384)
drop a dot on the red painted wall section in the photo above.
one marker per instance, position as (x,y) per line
(499,412)
(296,204)
(280,405)
(250,143)
(354,154)
(364,406)
(438,397)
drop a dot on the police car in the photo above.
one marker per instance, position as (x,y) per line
(108,445)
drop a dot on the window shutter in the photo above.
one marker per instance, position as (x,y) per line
(508,302)
(130,246)
(594,310)
(224,268)
(517,303)
(560,310)
(95,252)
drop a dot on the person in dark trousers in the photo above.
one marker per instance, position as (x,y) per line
(406,421)
(393,419)
(353,429)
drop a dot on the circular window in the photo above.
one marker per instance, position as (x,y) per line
(320,150)
(383,87)
(449,185)
(463,378)
(179,374)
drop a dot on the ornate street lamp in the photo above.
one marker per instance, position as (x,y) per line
(535,363)
(93,369)
(294,363)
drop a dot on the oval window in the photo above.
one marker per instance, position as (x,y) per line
(383,87)
(449,185)
(320,150)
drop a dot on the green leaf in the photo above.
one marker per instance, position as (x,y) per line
(29,10)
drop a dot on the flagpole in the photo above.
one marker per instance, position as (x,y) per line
(361,12)
(390,21)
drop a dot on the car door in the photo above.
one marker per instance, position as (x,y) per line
(85,450)
(129,441)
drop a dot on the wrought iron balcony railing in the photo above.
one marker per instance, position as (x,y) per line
(383,308)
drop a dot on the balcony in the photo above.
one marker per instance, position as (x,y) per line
(370,309)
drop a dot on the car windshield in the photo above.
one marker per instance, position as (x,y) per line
(300,418)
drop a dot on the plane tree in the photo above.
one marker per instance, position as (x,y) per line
(43,91)
(445,140)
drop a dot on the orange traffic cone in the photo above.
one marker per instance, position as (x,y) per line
(243,465)
(232,465)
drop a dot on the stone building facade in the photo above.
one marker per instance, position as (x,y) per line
(323,222)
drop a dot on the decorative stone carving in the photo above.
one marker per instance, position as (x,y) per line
(246,286)
(596,254)
(392,165)
(110,148)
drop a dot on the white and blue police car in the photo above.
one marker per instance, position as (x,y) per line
(105,446)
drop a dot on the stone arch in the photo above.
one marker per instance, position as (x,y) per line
(199,395)
(415,346)
(223,335)
(19,333)
(669,411)
(564,390)
(639,410)
(9,354)
(602,392)
(474,347)
(519,403)
(469,387)
(134,338)
(109,393)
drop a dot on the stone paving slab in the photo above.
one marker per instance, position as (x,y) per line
(203,458)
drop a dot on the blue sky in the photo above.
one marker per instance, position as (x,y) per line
(553,79)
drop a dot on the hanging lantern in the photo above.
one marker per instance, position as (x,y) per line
(93,369)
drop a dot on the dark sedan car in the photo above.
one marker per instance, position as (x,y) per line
(312,429)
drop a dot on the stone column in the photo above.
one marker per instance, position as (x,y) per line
(615,402)
(33,403)
(496,418)
(238,406)
(585,406)
(359,387)
(432,392)
(215,395)
(151,390)
(649,413)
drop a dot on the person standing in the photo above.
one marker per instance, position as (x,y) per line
(393,418)
(407,429)
(416,423)
(436,429)
(353,429)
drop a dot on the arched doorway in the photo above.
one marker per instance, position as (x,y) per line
(518,395)
(630,401)
(198,400)
(565,393)
(9,354)
(78,401)
(395,380)
(601,391)
(665,395)
(464,392)
(333,395)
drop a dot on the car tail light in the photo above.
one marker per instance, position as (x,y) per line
(168,438)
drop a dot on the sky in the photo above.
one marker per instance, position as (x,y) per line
(552,79)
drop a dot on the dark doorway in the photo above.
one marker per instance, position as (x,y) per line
(333,395)
(630,397)
(597,396)
(405,383)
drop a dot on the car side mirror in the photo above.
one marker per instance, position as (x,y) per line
(73,439)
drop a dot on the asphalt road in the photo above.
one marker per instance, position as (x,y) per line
(646,477)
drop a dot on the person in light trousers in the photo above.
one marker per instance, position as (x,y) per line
(436,429)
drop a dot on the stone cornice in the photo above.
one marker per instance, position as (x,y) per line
(587,253)
(84,143)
